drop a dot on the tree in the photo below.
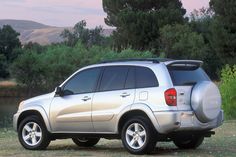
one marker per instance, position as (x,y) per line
(3,66)
(138,22)
(71,40)
(224,30)
(86,36)
(34,46)
(181,42)
(27,69)
(32,69)
(202,22)
(8,42)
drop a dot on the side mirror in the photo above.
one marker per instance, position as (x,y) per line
(59,91)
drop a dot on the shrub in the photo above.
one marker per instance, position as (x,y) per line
(50,68)
(228,90)
(28,69)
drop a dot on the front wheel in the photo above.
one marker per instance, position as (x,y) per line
(138,136)
(189,142)
(33,134)
(85,142)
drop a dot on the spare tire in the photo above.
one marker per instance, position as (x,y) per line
(206,101)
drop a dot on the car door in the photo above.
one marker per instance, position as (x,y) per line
(116,91)
(72,111)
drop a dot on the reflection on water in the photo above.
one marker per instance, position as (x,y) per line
(8,107)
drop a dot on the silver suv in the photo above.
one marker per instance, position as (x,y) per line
(139,101)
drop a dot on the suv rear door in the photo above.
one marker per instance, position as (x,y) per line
(184,75)
(115,92)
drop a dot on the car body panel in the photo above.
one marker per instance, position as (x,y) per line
(71,113)
(107,105)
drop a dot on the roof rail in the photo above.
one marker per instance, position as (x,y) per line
(154,60)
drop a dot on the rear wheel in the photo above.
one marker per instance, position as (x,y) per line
(33,134)
(85,142)
(189,142)
(138,136)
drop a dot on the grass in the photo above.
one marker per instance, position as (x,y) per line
(222,144)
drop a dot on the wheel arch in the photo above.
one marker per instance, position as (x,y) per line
(37,111)
(138,110)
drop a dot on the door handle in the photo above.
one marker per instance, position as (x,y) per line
(86,98)
(123,95)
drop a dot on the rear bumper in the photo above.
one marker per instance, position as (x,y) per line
(184,121)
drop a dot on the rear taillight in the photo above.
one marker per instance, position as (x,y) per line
(171,97)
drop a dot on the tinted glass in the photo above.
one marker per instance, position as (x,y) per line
(145,78)
(187,77)
(113,78)
(83,82)
(130,81)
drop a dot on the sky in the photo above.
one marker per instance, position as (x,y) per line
(63,13)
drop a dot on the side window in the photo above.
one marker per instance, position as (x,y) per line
(113,78)
(145,77)
(83,82)
(130,81)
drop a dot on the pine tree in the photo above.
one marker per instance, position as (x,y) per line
(224,30)
(138,22)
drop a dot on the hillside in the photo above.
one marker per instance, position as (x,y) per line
(21,25)
(31,31)
(43,36)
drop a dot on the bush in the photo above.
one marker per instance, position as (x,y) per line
(28,69)
(181,42)
(50,68)
(3,66)
(228,90)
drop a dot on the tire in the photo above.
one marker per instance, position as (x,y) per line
(86,142)
(191,142)
(138,136)
(33,134)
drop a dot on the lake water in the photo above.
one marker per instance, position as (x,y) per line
(8,107)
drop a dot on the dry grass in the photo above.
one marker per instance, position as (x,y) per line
(7,83)
(222,144)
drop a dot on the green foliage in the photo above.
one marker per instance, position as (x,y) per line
(180,42)
(138,22)
(27,69)
(201,22)
(228,90)
(86,36)
(224,30)
(8,42)
(47,70)
(3,66)
(34,46)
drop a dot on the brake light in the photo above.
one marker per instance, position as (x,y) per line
(171,97)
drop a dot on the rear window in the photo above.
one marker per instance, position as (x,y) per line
(182,77)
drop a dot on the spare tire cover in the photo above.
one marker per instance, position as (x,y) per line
(206,101)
